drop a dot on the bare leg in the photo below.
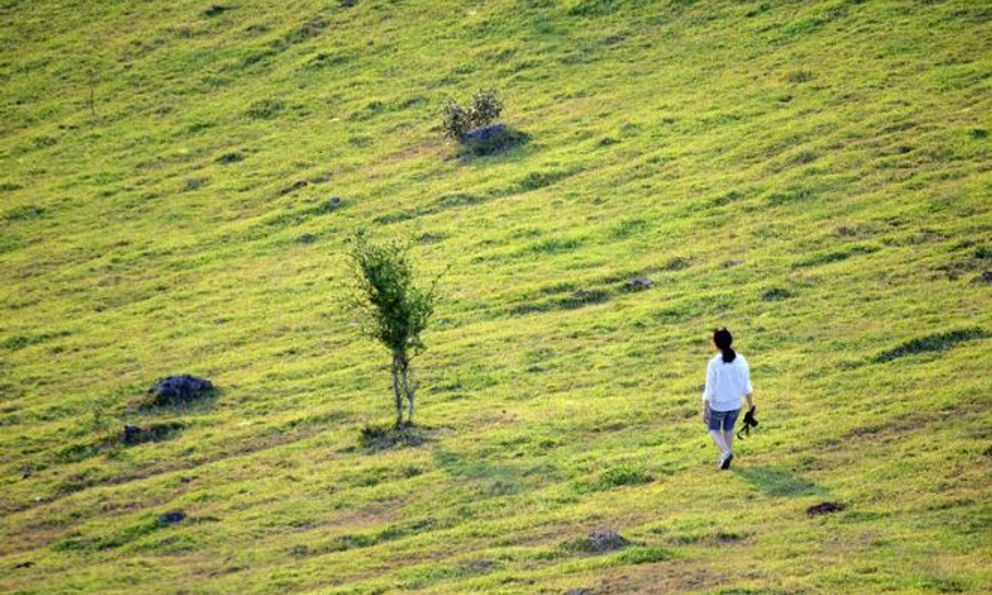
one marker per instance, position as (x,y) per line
(718,440)
(728,438)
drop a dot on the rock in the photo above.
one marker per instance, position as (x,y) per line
(639,284)
(171,518)
(492,139)
(985,277)
(332,204)
(605,540)
(580,591)
(185,388)
(732,263)
(25,564)
(824,508)
(307,238)
(132,435)
(27,471)
(484,134)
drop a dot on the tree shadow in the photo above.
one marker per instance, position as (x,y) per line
(778,481)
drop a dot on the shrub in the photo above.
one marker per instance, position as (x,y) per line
(457,120)
(486,108)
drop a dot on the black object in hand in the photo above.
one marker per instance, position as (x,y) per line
(750,421)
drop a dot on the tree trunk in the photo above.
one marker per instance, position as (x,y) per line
(396,392)
(408,390)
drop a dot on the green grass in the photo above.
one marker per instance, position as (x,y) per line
(813,175)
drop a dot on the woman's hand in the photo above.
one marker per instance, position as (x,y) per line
(706,414)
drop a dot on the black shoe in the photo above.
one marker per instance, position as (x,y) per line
(725,464)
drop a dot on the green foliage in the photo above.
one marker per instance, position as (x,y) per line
(396,309)
(485,109)
(456,120)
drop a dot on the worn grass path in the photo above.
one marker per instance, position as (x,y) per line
(814,175)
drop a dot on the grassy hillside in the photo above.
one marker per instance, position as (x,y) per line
(814,175)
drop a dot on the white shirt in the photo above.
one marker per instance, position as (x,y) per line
(726,383)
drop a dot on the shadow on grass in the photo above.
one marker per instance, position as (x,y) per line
(375,438)
(778,481)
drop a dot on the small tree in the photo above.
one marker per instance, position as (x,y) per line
(396,310)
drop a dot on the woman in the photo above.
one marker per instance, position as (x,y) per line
(727,380)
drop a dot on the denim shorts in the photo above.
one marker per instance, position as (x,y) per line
(723,420)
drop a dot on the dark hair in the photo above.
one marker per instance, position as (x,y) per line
(722,339)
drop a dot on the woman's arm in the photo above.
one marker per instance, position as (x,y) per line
(707,393)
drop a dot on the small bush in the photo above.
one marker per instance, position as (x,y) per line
(486,108)
(458,120)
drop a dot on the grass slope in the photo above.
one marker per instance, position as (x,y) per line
(814,175)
